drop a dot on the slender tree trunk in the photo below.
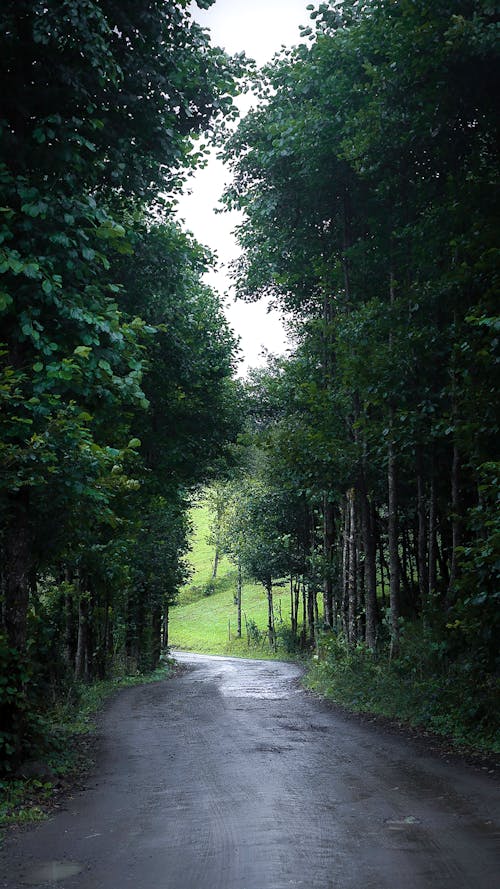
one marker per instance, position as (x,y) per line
(69,622)
(432,539)
(81,666)
(346,244)
(345,571)
(441,554)
(370,570)
(394,579)
(422,569)
(303,638)
(109,637)
(216,562)
(383,566)
(292,615)
(240,585)
(410,539)
(18,570)
(394,576)
(328,548)
(352,570)
(311,615)
(166,616)
(296,605)
(155,636)
(455,486)
(91,635)
(102,650)
(270,613)
(405,566)
(455,521)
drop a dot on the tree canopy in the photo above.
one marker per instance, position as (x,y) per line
(367,176)
(116,361)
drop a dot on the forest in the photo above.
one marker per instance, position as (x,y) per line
(361,469)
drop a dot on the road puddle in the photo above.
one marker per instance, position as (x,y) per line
(51,872)
(239,678)
(409,821)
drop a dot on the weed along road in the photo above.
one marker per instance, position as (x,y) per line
(229,776)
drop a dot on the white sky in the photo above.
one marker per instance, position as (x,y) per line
(260,28)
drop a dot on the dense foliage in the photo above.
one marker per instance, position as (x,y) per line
(367,176)
(116,361)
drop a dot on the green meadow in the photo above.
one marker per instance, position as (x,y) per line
(205,620)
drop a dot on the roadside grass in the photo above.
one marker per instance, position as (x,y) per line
(413,690)
(66,751)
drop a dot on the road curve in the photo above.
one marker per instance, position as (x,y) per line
(231,777)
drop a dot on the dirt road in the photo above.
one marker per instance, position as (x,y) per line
(231,777)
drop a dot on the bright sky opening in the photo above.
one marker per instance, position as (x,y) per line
(260,28)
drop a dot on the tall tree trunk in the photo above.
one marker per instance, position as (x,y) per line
(18,570)
(102,647)
(346,244)
(316,618)
(328,549)
(311,615)
(383,567)
(156,636)
(422,524)
(270,613)
(432,548)
(413,574)
(109,642)
(455,521)
(165,626)
(352,570)
(292,613)
(81,665)
(441,552)
(392,525)
(240,586)
(370,569)
(345,571)
(216,562)
(405,569)
(303,635)
(69,630)
(296,605)
(455,483)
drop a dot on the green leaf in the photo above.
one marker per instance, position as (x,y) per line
(5,301)
(82,351)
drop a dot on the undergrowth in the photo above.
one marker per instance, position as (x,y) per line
(420,687)
(63,750)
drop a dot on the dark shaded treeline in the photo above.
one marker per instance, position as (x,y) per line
(116,360)
(368,175)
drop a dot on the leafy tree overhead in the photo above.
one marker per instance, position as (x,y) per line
(100,107)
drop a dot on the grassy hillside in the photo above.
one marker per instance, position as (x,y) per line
(208,623)
(201,557)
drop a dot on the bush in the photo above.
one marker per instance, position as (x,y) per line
(21,727)
(422,686)
(254,635)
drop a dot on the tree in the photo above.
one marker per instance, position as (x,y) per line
(100,108)
(365,178)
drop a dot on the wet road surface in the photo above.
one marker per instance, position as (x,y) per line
(231,777)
